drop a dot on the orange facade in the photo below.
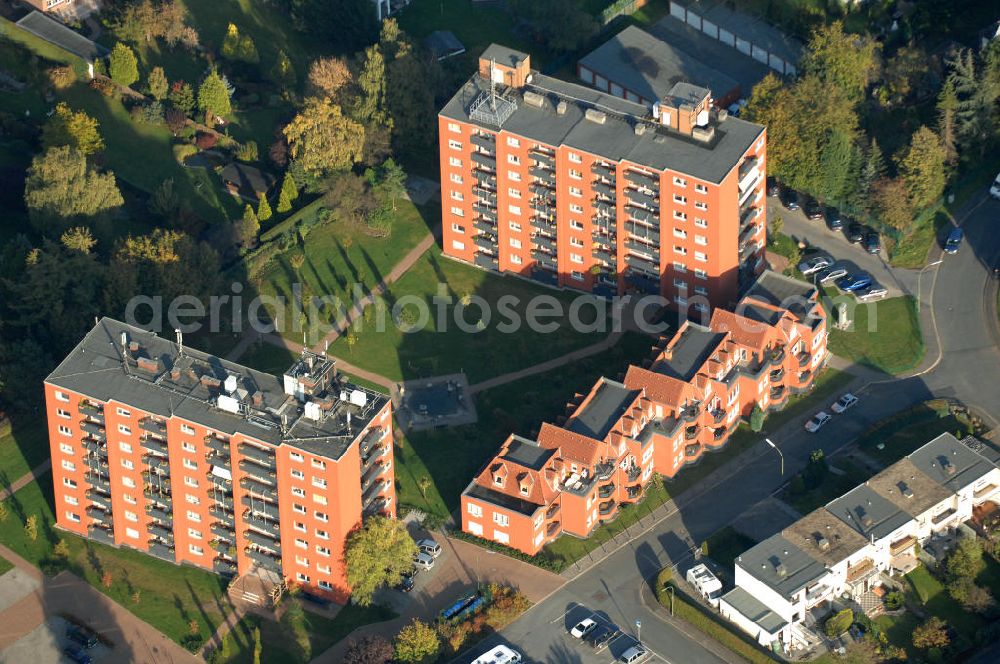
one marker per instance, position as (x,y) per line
(606,223)
(218,498)
(686,399)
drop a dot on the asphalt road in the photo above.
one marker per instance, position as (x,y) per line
(958,292)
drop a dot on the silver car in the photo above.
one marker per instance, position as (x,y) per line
(873,292)
(815,264)
(832,273)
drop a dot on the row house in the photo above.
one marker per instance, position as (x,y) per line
(687,398)
(844,548)
(199,461)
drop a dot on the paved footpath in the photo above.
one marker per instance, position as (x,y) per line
(133,639)
(27,478)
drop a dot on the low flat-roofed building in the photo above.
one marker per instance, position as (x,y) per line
(753,616)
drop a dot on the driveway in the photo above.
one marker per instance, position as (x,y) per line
(815,233)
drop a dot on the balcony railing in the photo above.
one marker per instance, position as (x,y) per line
(606,491)
(252,520)
(160,513)
(99,513)
(862,570)
(95,446)
(223,530)
(690,412)
(776,376)
(161,550)
(155,427)
(91,409)
(261,507)
(374,491)
(690,433)
(160,530)
(545,243)
(487,262)
(259,489)
(803,358)
(98,498)
(156,464)
(101,533)
(552,528)
(224,567)
(265,560)
(692,450)
(155,445)
(98,480)
(543,223)
(93,428)
(943,516)
(604,470)
(552,511)
(258,455)
(902,545)
(380,504)
(717,415)
(217,444)
(263,541)
(486,141)
(223,515)
(270,476)
(633,473)
(607,508)
(369,477)
(484,160)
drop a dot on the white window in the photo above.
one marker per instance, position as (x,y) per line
(64,430)
(501,536)
(323,551)
(680,250)
(575,242)
(680,200)
(321,517)
(701,290)
(701,205)
(514,242)
(457,195)
(454,145)
(299,492)
(513,142)
(194,534)
(576,276)
(680,283)
(193,516)
(575,174)
(322,534)
(458,228)
(75,518)
(193,465)
(701,274)
(319,482)
(122,412)
(132,533)
(680,182)
(457,211)
(196,550)
(301,527)
(71,500)
(514,226)
(67,482)
(574,207)
(298,474)
(124,430)
(455,161)
(575,225)
(701,189)
(128,482)
(66,448)
(325,569)
(700,223)
(191,482)
(457,245)
(514,209)
(131,516)
(700,239)
(189,430)
(298,508)
(62,413)
(188,447)
(680,267)
(302,544)
(575,191)
(513,176)
(127,464)
(302,561)
(192,499)
(301,578)
(319,499)
(454,127)
(576,258)
(574,157)
(500,519)
(456,178)
(678,232)
(130,499)
(68,465)
(476,528)
(513,193)
(474,510)
(513,159)
(682,216)
(701,256)
(62,396)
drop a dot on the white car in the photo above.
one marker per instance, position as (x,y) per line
(633,654)
(873,292)
(995,189)
(815,264)
(843,403)
(817,421)
(582,628)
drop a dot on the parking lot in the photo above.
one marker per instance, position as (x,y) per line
(614,639)
(44,645)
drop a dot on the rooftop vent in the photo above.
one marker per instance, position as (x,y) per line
(230,384)
(312,411)
(703,134)
(867,521)
(598,117)
(640,128)
(781,570)
(723,115)
(533,99)
(358,398)
(228,403)
(561,108)
(905,490)
(148,364)
(823,544)
(948,466)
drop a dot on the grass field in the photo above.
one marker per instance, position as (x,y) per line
(833,486)
(885,335)
(906,431)
(476,24)
(22,447)
(724,545)
(5,566)
(441,346)
(911,251)
(170,595)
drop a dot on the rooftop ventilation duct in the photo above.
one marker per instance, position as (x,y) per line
(561,108)
(533,99)
(595,116)
(703,134)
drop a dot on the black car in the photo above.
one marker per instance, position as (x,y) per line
(77,654)
(790,199)
(773,187)
(855,232)
(813,209)
(600,637)
(873,244)
(833,219)
(81,635)
(406,584)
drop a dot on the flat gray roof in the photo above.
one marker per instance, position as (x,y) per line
(650,67)
(825,537)
(54,32)
(603,410)
(908,488)
(781,565)
(950,463)
(755,610)
(503,55)
(867,512)
(748,27)
(527,453)
(512,503)
(615,140)
(783,291)
(186,385)
(696,345)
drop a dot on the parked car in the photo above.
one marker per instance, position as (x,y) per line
(954,241)
(843,403)
(81,635)
(430,547)
(995,189)
(817,421)
(815,263)
(406,583)
(77,654)
(854,282)
(855,232)
(873,244)
(832,273)
(790,199)
(633,654)
(813,209)
(423,561)
(582,628)
(600,637)
(834,221)
(773,187)
(873,292)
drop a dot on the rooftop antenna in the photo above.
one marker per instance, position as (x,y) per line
(493,87)
(348,422)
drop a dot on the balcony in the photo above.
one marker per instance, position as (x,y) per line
(803,359)
(263,541)
(690,412)
(552,511)
(223,530)
(161,550)
(101,533)
(485,226)
(160,530)
(258,489)
(374,491)
(553,528)
(604,255)
(861,571)
(223,515)
(691,432)
(641,179)
(642,200)
(158,493)
(258,455)
(223,498)
(607,508)
(902,545)
(606,491)
(213,458)
(539,152)
(487,262)
(938,519)
(262,524)
(776,376)
(96,446)
(544,223)
(719,433)
(643,232)
(265,560)
(93,428)
(604,471)
(98,480)
(378,452)
(777,394)
(259,507)
(380,504)
(545,259)
(156,464)
(486,241)
(692,450)
(99,513)
(98,498)
(604,189)
(484,160)
(544,242)
(155,427)
(633,473)
(97,465)
(485,141)
(91,409)
(155,445)
(642,265)
(543,174)
(259,472)
(368,478)
(160,513)
(216,444)
(644,283)
(484,194)
(485,179)
(224,567)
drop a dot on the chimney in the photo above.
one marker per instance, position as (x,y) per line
(781,570)
(595,116)
(533,99)
(561,108)
(823,544)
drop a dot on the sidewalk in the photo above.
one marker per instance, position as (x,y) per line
(27,478)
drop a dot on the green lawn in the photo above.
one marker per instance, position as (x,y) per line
(911,251)
(278,645)
(5,566)
(41,47)
(451,457)
(170,596)
(337,256)
(23,446)
(725,544)
(476,24)
(906,431)
(937,601)
(885,334)
(442,347)
(833,486)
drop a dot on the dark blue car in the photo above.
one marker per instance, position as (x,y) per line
(77,654)
(954,241)
(853,282)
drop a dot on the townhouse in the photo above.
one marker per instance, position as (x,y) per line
(582,189)
(200,461)
(686,399)
(842,549)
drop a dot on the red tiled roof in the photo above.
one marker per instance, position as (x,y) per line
(581,449)
(744,331)
(661,389)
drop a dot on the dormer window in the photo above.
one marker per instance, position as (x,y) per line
(524,489)
(498,479)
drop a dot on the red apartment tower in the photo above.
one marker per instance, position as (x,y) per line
(200,461)
(578,188)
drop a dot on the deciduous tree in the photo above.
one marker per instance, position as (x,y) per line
(78,238)
(922,168)
(392,181)
(377,554)
(892,203)
(931,634)
(156,84)
(369,650)
(122,65)
(371,104)
(417,643)
(61,188)
(321,139)
(328,76)
(73,128)
(844,60)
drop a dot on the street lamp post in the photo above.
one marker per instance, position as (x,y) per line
(671,589)
(780,455)
(920,276)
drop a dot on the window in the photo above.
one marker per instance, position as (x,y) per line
(319,482)
(476,528)
(680,250)
(680,182)
(130,499)
(298,508)
(302,578)
(454,145)
(513,159)
(191,482)
(678,232)
(132,533)
(575,158)
(62,396)
(131,516)
(72,516)
(62,413)
(193,516)
(700,256)
(701,290)
(196,550)
(64,430)
(323,551)
(188,447)
(680,267)
(514,209)
(513,142)
(67,482)
(701,205)
(124,430)
(680,200)
(192,499)
(575,191)
(456,178)
(301,527)
(71,500)
(513,176)
(189,430)
(701,189)
(68,466)
(500,519)
(514,226)
(66,448)
(194,534)
(302,561)
(700,239)
(298,492)
(474,510)
(122,412)
(456,195)
(320,516)
(458,228)
(680,283)
(325,569)
(298,474)
(700,223)
(501,536)
(576,276)
(513,193)
(127,464)
(301,543)
(454,127)
(457,246)
(575,225)
(128,482)
(514,242)
(681,216)
(574,207)
(701,274)
(192,465)
(455,161)
(322,534)
(575,242)
(575,174)
(457,211)
(576,258)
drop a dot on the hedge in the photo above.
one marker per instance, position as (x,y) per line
(556,566)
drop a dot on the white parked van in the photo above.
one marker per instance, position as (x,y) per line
(707,583)
(499,655)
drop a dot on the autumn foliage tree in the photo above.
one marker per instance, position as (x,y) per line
(369,650)
(922,168)
(328,76)
(417,643)
(62,188)
(321,139)
(73,128)
(931,634)
(377,554)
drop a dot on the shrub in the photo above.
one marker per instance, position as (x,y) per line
(176,120)
(151,113)
(247,151)
(205,140)
(61,77)
(184,150)
(104,86)
(894,601)
(538,560)
(838,623)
